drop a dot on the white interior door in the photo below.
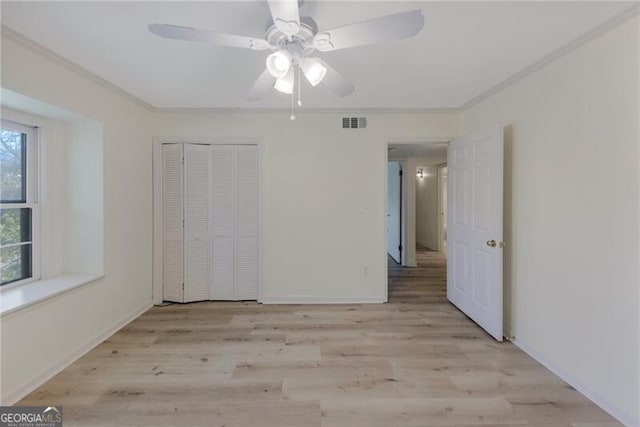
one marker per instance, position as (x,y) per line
(172,216)
(474,235)
(394,210)
(196,222)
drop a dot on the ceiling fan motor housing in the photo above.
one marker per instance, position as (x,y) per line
(299,43)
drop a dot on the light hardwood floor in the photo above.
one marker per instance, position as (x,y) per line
(416,361)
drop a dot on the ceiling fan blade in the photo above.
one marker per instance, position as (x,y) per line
(261,87)
(336,81)
(377,30)
(286,15)
(193,34)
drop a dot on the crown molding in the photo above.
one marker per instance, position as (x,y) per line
(564,50)
(559,53)
(49,54)
(302,110)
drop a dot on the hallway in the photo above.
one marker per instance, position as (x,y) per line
(426,283)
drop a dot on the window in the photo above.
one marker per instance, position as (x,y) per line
(18,207)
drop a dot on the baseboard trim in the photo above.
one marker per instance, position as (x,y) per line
(14,396)
(317,300)
(613,410)
(424,245)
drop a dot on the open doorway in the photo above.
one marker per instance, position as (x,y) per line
(460,180)
(418,238)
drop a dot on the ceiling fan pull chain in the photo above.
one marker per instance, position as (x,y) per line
(293,116)
(299,89)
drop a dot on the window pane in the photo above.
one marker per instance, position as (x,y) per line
(13,166)
(15,226)
(15,263)
(15,244)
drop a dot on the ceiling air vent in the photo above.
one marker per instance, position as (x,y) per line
(354,122)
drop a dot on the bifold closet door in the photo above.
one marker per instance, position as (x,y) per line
(222,213)
(210,222)
(172,232)
(234,200)
(246,222)
(196,222)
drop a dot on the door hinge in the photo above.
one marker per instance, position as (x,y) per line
(400,172)
(400,248)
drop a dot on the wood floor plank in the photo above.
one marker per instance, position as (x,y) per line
(416,361)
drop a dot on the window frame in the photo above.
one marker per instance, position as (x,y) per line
(32,197)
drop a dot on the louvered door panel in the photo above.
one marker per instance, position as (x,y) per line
(196,222)
(246,222)
(172,243)
(222,215)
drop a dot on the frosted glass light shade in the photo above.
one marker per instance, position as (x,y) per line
(285,84)
(313,70)
(279,63)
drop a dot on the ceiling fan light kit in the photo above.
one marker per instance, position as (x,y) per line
(313,70)
(285,84)
(279,63)
(293,39)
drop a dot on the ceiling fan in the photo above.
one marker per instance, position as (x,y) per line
(293,39)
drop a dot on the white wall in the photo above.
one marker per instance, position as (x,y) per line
(84,199)
(312,172)
(42,338)
(409,212)
(572,215)
(427,208)
(323,200)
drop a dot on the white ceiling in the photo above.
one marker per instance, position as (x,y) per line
(465,49)
(427,154)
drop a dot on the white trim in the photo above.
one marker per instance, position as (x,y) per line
(156,288)
(33,179)
(353,111)
(615,411)
(33,292)
(302,299)
(385,262)
(15,395)
(441,191)
(559,53)
(72,66)
(424,245)
(572,45)
(209,140)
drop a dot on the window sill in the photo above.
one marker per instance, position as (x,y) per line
(20,297)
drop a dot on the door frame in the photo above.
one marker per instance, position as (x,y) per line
(157,279)
(401,211)
(441,190)
(395,140)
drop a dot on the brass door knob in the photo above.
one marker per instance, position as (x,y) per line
(492,243)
